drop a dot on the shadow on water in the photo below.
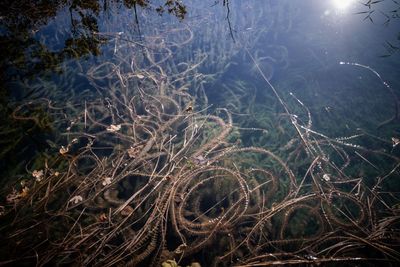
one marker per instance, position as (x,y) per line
(29,50)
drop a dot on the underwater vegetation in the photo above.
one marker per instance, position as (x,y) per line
(127,151)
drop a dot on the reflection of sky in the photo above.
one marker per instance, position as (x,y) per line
(323,33)
(332,29)
(336,27)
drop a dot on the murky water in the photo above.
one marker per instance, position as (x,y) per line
(220,133)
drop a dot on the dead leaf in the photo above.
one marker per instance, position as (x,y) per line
(326,177)
(134,151)
(64,150)
(106,181)
(395,141)
(76,199)
(103,217)
(24,193)
(114,128)
(13,197)
(38,174)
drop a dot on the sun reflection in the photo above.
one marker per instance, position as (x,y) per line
(342,4)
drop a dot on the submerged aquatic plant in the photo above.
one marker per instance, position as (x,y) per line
(141,173)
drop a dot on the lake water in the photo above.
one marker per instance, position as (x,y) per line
(200,133)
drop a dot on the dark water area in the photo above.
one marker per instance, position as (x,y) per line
(200,133)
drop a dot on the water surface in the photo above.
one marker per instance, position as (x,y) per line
(218,132)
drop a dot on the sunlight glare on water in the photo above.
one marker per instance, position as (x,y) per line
(342,4)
